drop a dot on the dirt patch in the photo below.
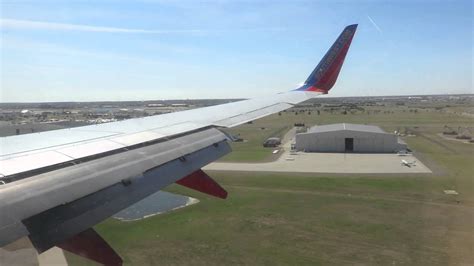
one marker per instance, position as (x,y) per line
(465,141)
(435,141)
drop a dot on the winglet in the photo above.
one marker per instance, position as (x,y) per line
(325,74)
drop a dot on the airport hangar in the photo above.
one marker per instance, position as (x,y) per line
(348,138)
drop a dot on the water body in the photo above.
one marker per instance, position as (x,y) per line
(157,203)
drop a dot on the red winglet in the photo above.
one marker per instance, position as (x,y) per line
(200,181)
(91,245)
(324,76)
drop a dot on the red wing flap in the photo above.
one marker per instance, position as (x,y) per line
(91,245)
(200,181)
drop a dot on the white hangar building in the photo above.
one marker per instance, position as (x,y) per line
(348,138)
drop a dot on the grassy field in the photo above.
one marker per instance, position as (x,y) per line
(281,219)
(394,118)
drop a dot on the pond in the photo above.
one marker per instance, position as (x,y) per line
(157,203)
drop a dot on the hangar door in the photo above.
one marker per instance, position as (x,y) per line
(349,145)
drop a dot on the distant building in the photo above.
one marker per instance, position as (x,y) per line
(348,138)
(155,105)
(179,105)
(272,142)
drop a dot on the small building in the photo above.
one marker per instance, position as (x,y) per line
(155,105)
(272,142)
(348,138)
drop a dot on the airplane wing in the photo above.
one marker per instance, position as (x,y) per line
(56,185)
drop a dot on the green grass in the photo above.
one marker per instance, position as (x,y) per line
(266,227)
(255,134)
(318,219)
(285,222)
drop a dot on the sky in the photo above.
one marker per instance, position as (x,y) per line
(152,50)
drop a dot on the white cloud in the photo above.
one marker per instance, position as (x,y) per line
(374,24)
(41,25)
(52,26)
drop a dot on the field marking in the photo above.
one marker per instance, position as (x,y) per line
(437,142)
(350,195)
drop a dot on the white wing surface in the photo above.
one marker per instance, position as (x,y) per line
(23,153)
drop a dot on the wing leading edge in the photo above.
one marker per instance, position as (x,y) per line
(57,184)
